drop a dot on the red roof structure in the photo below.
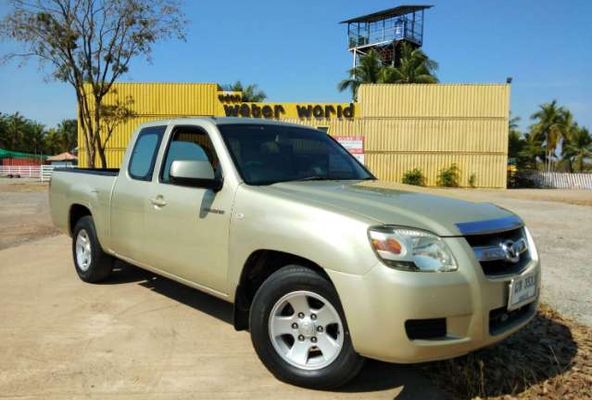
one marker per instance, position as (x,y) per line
(63,157)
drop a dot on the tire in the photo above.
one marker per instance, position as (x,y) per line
(280,331)
(91,262)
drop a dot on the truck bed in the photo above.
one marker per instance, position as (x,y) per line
(92,171)
(90,187)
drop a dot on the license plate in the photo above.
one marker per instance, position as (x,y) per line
(522,291)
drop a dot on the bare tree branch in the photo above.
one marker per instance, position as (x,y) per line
(90,44)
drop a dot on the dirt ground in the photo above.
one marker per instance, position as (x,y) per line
(576,197)
(24,212)
(142,336)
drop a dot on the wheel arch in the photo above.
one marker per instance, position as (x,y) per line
(77,211)
(257,268)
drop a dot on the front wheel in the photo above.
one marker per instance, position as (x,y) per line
(299,330)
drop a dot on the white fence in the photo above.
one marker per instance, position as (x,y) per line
(562,180)
(20,171)
(43,172)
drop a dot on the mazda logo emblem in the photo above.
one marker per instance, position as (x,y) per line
(512,250)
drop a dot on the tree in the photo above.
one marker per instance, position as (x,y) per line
(61,139)
(250,93)
(578,148)
(68,130)
(52,142)
(531,152)
(414,67)
(552,122)
(114,115)
(368,70)
(21,134)
(3,136)
(515,139)
(34,138)
(554,128)
(15,126)
(89,44)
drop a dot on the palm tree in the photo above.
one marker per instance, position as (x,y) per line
(578,147)
(68,130)
(515,140)
(368,70)
(16,126)
(552,123)
(34,138)
(414,67)
(3,133)
(513,123)
(250,93)
(532,150)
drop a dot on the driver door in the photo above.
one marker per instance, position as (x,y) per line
(187,227)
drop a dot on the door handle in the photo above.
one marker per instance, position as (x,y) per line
(158,201)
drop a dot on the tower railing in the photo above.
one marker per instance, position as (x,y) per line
(395,29)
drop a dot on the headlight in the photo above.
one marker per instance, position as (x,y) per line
(534,254)
(411,249)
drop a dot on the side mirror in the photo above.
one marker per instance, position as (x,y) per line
(194,173)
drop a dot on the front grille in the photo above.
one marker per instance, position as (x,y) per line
(433,328)
(494,268)
(500,267)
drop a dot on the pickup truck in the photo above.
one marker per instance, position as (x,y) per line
(325,264)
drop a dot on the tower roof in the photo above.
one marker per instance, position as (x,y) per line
(391,12)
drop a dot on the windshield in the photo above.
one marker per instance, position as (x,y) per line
(266,154)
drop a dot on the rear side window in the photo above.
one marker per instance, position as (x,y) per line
(143,157)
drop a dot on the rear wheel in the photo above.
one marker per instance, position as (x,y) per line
(91,262)
(299,330)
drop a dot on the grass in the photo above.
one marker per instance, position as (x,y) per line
(551,358)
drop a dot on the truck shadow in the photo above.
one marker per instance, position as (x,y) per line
(126,273)
(378,376)
(543,350)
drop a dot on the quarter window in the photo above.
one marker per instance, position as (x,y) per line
(143,156)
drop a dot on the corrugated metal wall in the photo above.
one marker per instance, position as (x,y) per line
(405,126)
(153,101)
(432,126)
(315,123)
(428,100)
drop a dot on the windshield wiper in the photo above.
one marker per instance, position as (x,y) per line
(314,178)
(328,178)
(325,178)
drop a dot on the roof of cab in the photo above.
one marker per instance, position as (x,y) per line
(188,120)
(225,121)
(248,121)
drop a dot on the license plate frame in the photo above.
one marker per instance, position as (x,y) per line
(522,290)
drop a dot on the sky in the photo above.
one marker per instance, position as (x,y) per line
(297,51)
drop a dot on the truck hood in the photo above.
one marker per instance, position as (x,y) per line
(389,203)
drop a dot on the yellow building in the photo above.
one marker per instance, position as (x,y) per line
(403,126)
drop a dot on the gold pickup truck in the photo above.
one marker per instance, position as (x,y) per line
(325,265)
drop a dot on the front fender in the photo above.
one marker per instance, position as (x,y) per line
(332,239)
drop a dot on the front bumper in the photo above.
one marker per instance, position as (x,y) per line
(378,304)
